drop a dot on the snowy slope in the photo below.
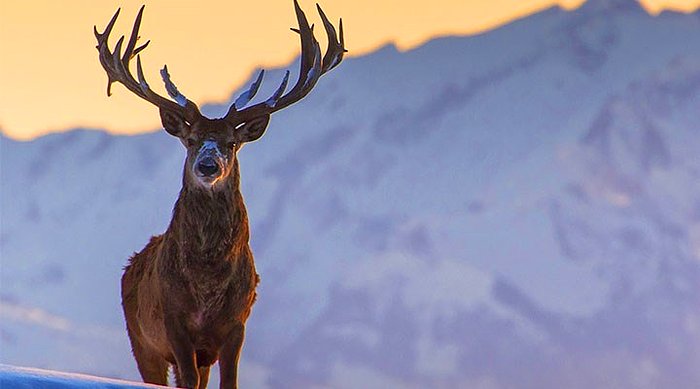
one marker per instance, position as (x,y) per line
(19,377)
(514,209)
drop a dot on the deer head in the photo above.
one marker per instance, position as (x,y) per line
(212,144)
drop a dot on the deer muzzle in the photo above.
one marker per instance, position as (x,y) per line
(210,162)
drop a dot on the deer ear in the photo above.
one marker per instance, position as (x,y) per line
(253,129)
(173,123)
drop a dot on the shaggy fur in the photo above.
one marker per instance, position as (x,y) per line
(188,293)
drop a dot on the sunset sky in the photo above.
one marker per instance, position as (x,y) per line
(51,80)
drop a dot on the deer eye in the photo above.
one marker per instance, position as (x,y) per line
(230,145)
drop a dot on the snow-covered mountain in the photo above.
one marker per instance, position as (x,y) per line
(515,209)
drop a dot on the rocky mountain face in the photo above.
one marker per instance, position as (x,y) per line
(518,209)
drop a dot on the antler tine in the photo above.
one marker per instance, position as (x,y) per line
(129,51)
(312,66)
(117,67)
(246,96)
(316,70)
(307,38)
(309,46)
(171,88)
(336,49)
(272,100)
(105,34)
(139,72)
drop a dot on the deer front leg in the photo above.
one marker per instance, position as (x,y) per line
(186,375)
(230,353)
(204,376)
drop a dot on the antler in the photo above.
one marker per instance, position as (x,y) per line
(312,67)
(117,69)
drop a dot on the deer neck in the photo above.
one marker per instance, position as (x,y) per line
(210,224)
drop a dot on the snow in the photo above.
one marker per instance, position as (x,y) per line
(22,377)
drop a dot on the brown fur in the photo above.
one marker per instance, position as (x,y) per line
(188,293)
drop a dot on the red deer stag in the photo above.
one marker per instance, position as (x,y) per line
(188,293)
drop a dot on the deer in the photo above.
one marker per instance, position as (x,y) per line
(187,295)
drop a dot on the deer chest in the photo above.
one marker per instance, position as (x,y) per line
(225,294)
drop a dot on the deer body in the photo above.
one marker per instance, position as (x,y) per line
(194,285)
(187,295)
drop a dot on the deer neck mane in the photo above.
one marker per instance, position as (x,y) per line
(210,224)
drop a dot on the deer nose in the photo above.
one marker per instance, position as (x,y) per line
(207,166)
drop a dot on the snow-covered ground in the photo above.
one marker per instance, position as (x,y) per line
(12,377)
(514,209)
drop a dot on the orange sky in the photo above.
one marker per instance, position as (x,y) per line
(51,80)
